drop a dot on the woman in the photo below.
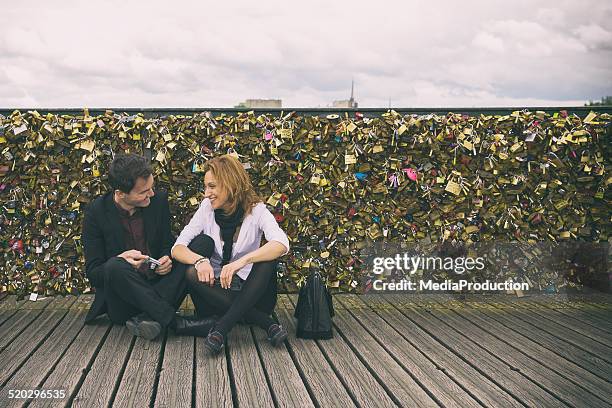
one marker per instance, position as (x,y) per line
(230,274)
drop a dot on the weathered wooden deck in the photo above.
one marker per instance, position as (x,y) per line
(388,350)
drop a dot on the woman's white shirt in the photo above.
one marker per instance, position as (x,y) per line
(259,221)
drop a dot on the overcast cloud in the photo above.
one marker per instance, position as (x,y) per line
(431,53)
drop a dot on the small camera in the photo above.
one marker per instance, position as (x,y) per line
(152,262)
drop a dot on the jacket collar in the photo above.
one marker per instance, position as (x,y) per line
(112,215)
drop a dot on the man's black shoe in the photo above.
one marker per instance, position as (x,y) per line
(141,326)
(277,334)
(192,326)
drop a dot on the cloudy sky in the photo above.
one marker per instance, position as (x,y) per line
(411,53)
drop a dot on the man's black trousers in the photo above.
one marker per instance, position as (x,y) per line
(129,293)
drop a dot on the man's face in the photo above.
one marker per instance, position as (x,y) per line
(141,193)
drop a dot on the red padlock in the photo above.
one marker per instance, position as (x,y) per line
(17,245)
(537,219)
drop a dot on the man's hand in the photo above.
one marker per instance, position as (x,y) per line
(133,257)
(205,273)
(229,270)
(165,267)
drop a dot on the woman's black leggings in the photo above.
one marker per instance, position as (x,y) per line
(254,302)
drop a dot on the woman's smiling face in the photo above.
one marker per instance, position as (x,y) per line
(214,192)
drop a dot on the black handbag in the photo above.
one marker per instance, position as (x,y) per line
(314,309)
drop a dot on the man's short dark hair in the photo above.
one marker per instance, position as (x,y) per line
(126,169)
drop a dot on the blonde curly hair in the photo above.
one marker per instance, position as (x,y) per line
(235,181)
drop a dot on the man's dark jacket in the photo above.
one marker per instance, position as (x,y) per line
(103,238)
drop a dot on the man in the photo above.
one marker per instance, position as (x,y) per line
(122,231)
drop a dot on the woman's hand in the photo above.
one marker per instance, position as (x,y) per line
(205,273)
(229,270)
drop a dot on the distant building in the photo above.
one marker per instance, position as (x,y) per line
(261,103)
(350,103)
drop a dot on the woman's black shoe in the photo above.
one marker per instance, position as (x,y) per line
(277,334)
(214,342)
(192,326)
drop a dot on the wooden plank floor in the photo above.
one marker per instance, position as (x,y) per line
(388,350)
